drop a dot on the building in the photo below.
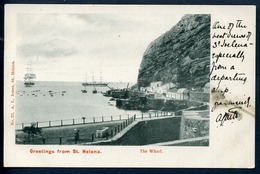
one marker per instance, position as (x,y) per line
(172,93)
(155,85)
(183,94)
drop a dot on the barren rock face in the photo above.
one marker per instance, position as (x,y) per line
(181,55)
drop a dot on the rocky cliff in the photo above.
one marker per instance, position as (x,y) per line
(181,55)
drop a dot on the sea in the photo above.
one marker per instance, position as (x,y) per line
(48,101)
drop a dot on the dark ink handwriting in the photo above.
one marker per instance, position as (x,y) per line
(245,102)
(232,114)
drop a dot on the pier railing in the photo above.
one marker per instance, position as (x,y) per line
(88,120)
(121,122)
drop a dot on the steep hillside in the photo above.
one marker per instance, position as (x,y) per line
(181,55)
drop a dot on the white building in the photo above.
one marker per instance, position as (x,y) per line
(172,93)
(156,85)
(183,94)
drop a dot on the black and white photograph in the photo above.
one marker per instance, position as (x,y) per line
(129,86)
(106,79)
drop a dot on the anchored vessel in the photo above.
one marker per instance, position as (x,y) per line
(29,76)
(94,83)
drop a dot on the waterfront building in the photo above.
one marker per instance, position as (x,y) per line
(183,94)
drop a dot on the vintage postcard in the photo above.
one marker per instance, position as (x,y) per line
(129,86)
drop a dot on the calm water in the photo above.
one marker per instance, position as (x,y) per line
(35,103)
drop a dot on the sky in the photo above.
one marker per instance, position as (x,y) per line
(76,46)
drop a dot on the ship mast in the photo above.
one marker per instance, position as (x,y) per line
(29,76)
(93,78)
(94,83)
(100,77)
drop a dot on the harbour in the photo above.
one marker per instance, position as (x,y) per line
(44,101)
(114,116)
(168,99)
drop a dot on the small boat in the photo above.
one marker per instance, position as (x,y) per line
(84,91)
(94,91)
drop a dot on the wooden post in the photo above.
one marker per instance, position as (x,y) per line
(22,125)
(93,137)
(61,123)
(76,140)
(61,141)
(150,115)
(102,119)
(119,117)
(49,123)
(37,124)
(73,121)
(111,118)
(142,116)
(94,120)
(111,133)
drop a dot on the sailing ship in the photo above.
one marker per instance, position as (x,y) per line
(29,76)
(94,83)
